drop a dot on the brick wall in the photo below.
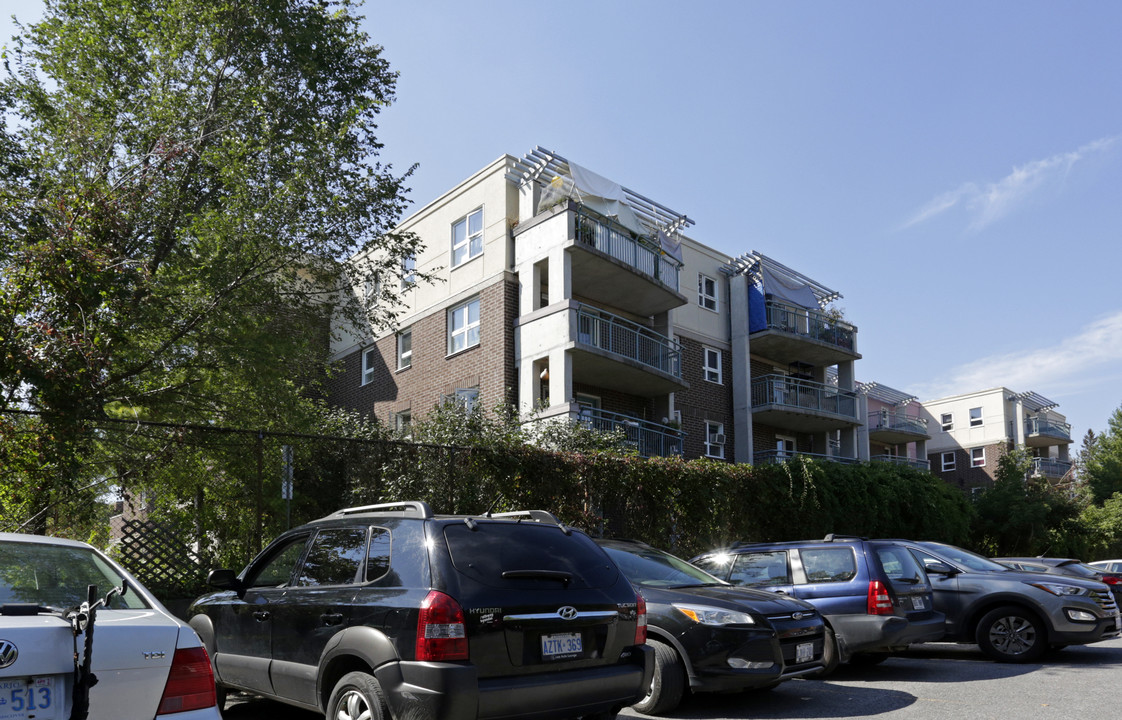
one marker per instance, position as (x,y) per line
(705,400)
(965,476)
(433,374)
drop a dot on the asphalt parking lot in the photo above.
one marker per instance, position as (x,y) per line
(928,681)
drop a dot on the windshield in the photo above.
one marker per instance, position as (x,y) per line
(57,576)
(649,567)
(965,558)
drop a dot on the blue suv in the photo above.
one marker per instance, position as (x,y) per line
(874,595)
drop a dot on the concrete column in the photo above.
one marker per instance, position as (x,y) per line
(529,193)
(741,371)
(560,275)
(560,377)
(863,451)
(1018,422)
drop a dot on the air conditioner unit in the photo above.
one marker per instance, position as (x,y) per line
(716,438)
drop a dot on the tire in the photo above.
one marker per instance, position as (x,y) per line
(1011,634)
(357,696)
(829,654)
(668,683)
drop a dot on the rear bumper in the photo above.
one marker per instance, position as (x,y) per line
(451,691)
(881,633)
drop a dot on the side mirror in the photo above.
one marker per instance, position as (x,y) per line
(939,568)
(225,580)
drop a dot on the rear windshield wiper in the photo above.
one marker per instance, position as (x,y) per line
(696,585)
(559,575)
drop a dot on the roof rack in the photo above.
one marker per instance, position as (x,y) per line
(405,507)
(832,537)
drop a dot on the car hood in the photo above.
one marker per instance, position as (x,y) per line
(729,596)
(1032,577)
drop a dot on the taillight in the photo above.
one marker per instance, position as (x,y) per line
(880,603)
(1110,580)
(190,684)
(641,622)
(440,629)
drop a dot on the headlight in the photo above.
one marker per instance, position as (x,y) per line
(714,616)
(1060,588)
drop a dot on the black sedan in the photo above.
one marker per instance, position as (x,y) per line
(710,636)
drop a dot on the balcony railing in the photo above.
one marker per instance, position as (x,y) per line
(771,457)
(1044,425)
(610,239)
(898,421)
(620,336)
(810,324)
(898,460)
(649,439)
(1050,467)
(790,392)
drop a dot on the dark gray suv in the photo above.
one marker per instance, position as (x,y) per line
(1014,616)
(392,609)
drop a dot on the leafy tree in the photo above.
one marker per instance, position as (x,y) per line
(183,186)
(1022,515)
(1102,461)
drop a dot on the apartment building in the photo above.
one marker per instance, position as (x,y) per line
(576,297)
(969,432)
(895,427)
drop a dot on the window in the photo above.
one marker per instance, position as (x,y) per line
(378,554)
(824,565)
(277,569)
(404,349)
(760,569)
(463,326)
(408,272)
(948,422)
(466,398)
(402,420)
(978,457)
(369,364)
(948,461)
(976,417)
(467,238)
(711,364)
(334,558)
(714,439)
(707,292)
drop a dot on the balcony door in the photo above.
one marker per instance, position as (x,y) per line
(785,447)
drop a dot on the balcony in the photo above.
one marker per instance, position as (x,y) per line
(898,460)
(810,336)
(773,457)
(802,405)
(1043,431)
(649,439)
(616,352)
(893,428)
(1050,468)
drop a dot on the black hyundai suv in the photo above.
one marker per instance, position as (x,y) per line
(873,594)
(390,607)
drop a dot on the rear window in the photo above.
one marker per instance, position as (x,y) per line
(827,565)
(899,564)
(528,556)
(58,576)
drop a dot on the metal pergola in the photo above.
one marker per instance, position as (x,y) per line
(752,263)
(1034,402)
(540,162)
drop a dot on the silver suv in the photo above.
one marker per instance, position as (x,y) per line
(1014,616)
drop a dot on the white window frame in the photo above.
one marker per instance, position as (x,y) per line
(402,421)
(368,366)
(947,466)
(947,421)
(978,421)
(466,335)
(405,357)
(974,459)
(711,372)
(467,398)
(714,449)
(471,244)
(706,299)
(408,272)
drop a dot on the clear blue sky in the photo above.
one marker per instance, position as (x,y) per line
(953,169)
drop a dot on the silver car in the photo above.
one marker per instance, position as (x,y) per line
(80,637)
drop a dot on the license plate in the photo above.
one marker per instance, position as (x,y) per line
(804,652)
(562,646)
(917,602)
(23,698)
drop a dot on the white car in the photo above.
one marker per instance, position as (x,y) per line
(1107,565)
(147,663)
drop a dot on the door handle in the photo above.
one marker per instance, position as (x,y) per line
(332,618)
(262,615)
